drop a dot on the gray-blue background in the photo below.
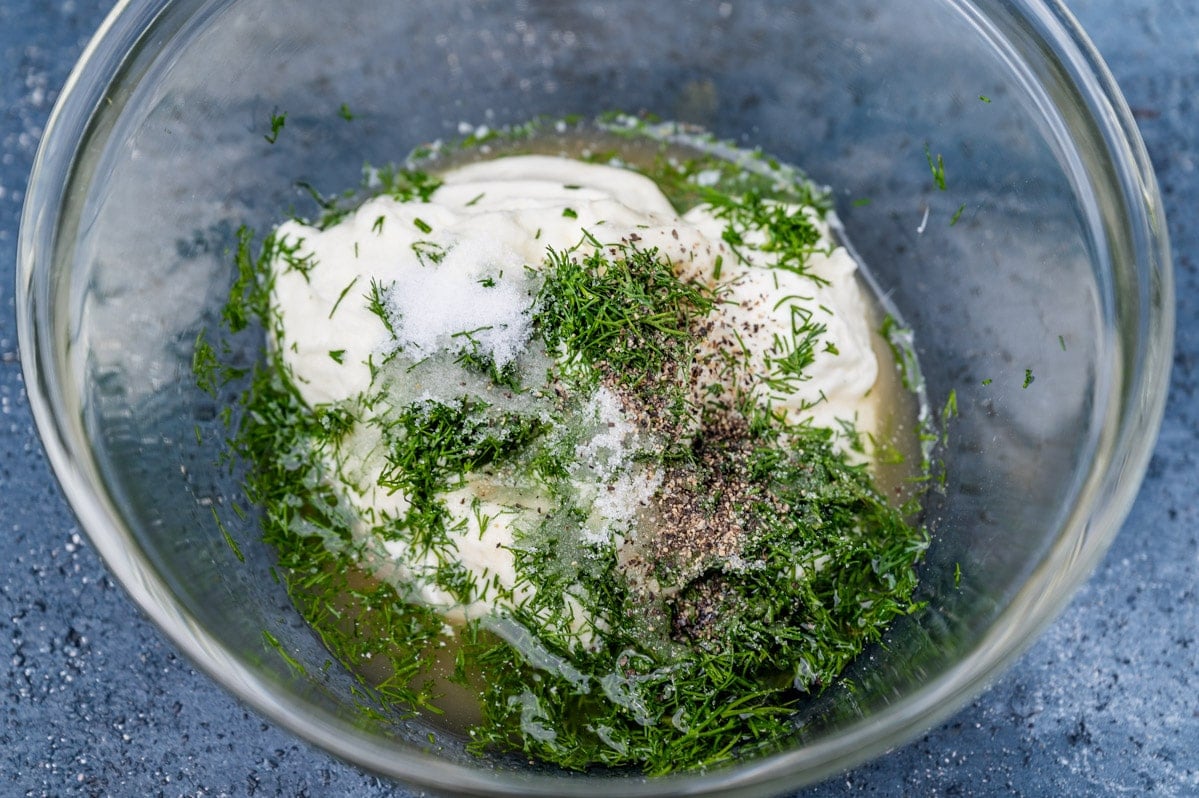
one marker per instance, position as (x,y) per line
(1106,703)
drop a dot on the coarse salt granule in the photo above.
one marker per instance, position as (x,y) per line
(462,303)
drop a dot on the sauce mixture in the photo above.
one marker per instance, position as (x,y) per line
(607,477)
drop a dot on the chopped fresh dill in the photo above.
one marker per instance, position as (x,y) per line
(625,308)
(274,643)
(790,232)
(277,122)
(343,293)
(936,166)
(377,304)
(229,541)
(957,215)
(407,185)
(1028,378)
(950,410)
(206,366)
(326,204)
(428,252)
(899,339)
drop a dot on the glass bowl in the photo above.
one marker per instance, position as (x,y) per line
(1036,282)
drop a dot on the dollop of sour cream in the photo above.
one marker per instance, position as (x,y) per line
(423,277)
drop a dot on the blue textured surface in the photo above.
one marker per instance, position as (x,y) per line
(1106,703)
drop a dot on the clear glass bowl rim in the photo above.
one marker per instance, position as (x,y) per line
(1072,559)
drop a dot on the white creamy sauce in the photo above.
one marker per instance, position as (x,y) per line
(462,268)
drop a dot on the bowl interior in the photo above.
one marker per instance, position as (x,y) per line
(1007,277)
